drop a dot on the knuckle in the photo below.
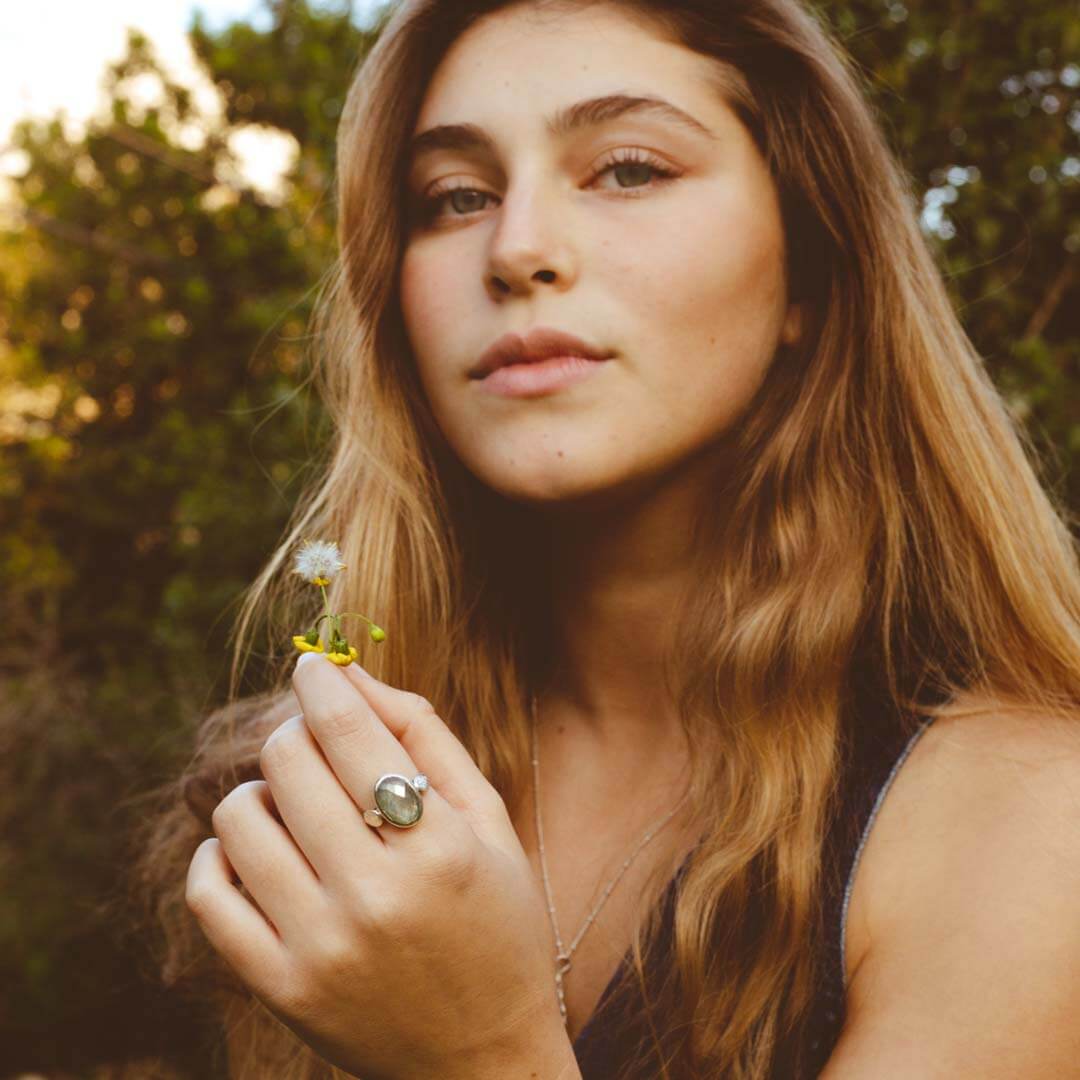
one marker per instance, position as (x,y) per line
(282,747)
(222,814)
(418,711)
(339,723)
(293,997)
(236,804)
(387,917)
(449,864)
(199,884)
(197,896)
(420,704)
(331,955)
(494,805)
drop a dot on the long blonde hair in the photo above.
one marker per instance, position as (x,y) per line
(886,544)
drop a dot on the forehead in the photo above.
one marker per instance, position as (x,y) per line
(528,66)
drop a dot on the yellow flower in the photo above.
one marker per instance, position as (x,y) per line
(343,659)
(302,643)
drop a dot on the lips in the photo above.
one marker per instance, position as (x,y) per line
(539,343)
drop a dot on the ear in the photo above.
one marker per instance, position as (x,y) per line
(792,330)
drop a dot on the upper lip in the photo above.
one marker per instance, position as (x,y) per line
(539,343)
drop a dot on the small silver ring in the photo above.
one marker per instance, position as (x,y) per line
(398,800)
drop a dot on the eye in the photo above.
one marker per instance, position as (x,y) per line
(638,162)
(467,200)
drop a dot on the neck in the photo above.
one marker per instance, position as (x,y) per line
(619,574)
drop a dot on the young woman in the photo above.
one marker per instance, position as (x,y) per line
(763,535)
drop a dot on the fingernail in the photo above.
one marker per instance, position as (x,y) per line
(363,671)
(306,658)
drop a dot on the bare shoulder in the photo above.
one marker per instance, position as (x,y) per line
(970,939)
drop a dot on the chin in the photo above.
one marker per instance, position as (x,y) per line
(564,485)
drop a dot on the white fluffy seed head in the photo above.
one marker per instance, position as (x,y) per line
(318,559)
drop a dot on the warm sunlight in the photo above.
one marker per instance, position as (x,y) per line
(53,58)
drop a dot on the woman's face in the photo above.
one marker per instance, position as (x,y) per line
(680,278)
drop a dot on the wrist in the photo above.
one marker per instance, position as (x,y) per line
(543,1054)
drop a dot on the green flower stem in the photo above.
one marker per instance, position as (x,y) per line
(376,633)
(335,625)
(358,615)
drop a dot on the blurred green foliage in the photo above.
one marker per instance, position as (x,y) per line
(155,425)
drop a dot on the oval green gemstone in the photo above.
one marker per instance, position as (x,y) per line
(398,800)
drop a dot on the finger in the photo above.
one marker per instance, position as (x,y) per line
(442,757)
(318,812)
(232,925)
(266,859)
(358,746)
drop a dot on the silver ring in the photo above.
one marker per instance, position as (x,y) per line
(397,800)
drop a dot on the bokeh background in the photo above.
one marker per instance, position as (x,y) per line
(158,261)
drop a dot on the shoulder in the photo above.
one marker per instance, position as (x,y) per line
(970,880)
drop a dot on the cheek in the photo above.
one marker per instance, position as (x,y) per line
(425,305)
(718,274)
(433,299)
(724,262)
(713,261)
(710,305)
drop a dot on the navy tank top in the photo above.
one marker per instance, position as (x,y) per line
(613,1037)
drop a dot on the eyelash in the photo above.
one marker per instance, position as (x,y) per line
(429,203)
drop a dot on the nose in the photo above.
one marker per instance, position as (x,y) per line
(530,242)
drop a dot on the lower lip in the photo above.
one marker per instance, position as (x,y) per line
(539,377)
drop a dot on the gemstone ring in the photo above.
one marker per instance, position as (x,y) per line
(397,800)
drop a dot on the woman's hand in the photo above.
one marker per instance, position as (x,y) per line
(395,953)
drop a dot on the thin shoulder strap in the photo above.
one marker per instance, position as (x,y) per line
(865,834)
(875,754)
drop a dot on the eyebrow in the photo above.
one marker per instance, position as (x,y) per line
(582,114)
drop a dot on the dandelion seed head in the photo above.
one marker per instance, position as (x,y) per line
(318,561)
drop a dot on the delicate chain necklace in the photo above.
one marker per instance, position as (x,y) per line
(562,957)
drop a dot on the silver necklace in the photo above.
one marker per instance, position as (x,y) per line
(562,957)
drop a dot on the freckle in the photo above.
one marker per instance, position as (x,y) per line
(561,454)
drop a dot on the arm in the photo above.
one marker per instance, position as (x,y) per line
(973,970)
